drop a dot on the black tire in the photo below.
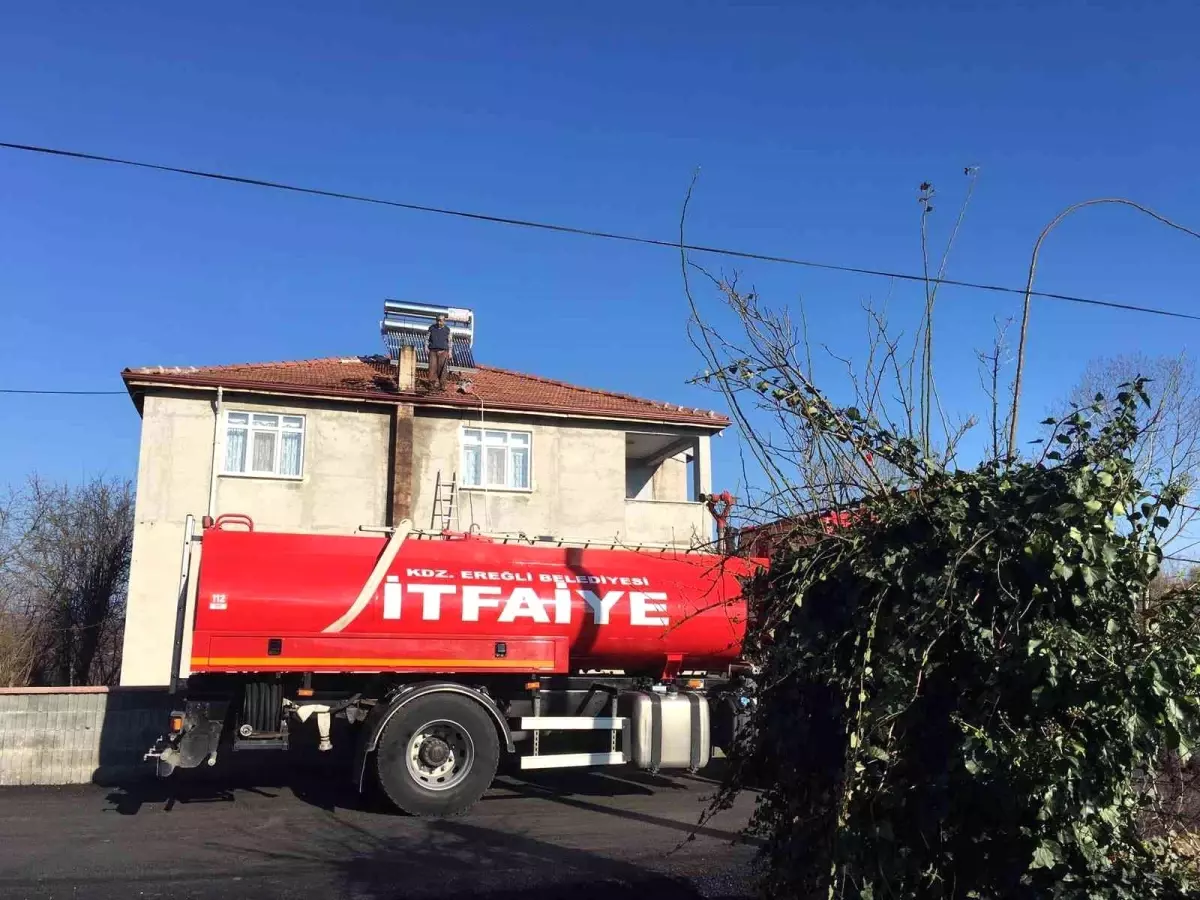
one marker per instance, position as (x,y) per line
(410,783)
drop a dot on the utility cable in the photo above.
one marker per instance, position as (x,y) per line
(66,393)
(585,232)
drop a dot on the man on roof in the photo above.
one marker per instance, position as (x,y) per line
(439,351)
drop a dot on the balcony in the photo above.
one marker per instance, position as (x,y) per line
(663,479)
(677,522)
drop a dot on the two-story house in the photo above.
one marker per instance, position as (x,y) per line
(332,445)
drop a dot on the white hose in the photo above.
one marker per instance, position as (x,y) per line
(487,522)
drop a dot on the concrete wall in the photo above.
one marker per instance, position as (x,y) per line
(670,480)
(578,471)
(343,485)
(77,735)
(666,522)
(579,483)
(667,480)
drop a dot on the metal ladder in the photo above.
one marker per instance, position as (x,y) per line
(444,493)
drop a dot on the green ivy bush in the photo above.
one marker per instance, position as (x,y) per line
(964,693)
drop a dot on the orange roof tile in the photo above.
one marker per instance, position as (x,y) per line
(371,378)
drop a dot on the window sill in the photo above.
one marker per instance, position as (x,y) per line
(665,502)
(261,476)
(494,490)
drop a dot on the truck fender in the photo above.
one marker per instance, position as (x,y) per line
(382,713)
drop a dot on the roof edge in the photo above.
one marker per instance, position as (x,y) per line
(714,422)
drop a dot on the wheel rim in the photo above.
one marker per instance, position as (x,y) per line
(440,755)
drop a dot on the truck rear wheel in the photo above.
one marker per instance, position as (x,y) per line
(438,755)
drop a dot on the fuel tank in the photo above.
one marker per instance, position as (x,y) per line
(280,602)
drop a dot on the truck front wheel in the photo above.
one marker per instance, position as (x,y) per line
(438,755)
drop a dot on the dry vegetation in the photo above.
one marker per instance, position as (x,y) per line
(64,569)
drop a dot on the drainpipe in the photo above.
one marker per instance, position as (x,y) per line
(216,446)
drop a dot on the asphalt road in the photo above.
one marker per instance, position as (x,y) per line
(288,832)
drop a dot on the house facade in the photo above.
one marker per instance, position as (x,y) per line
(333,445)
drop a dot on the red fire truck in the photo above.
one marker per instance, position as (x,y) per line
(446,652)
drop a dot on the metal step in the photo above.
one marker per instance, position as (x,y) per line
(274,743)
(571,723)
(572,760)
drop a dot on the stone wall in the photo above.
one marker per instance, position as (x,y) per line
(78,735)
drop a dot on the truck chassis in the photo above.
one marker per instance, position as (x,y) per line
(434,745)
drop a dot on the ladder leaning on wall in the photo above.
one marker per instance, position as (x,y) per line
(444,495)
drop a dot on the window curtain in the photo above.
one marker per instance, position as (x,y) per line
(495,467)
(289,459)
(471,468)
(520,467)
(264,452)
(235,450)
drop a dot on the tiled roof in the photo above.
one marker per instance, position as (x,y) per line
(371,378)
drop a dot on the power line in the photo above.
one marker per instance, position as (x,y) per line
(67,393)
(585,232)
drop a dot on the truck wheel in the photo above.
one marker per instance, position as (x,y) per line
(438,755)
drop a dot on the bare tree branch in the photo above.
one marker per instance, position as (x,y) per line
(1167,451)
(1037,246)
(64,567)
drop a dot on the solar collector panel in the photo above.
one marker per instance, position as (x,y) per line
(407,325)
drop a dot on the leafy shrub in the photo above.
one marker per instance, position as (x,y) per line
(964,692)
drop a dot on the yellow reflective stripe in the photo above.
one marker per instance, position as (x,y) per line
(272,661)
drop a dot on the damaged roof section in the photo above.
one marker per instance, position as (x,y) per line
(373,378)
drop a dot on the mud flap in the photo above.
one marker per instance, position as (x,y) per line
(731,714)
(367,735)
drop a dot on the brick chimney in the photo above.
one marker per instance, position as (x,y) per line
(406,369)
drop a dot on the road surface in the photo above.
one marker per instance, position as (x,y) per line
(301,834)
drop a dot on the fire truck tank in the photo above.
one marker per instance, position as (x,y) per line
(281,602)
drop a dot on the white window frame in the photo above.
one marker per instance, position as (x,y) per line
(250,428)
(464,471)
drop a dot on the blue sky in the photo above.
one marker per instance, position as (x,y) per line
(812,125)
